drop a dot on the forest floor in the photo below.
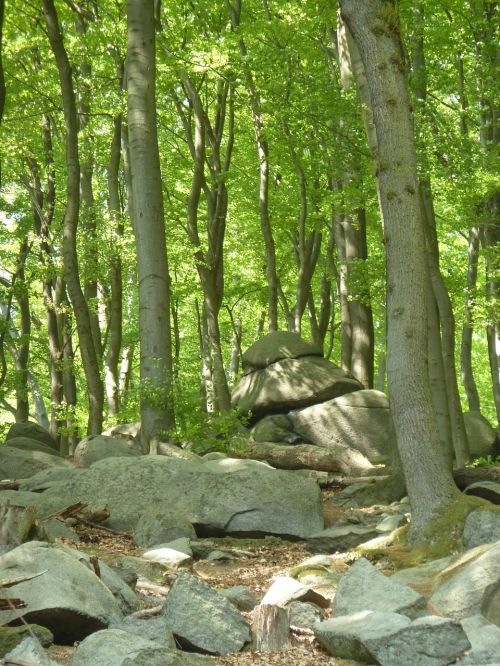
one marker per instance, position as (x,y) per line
(266,558)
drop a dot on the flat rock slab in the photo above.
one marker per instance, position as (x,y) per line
(276,346)
(340,539)
(365,588)
(291,384)
(489,490)
(202,619)
(360,420)
(67,597)
(115,647)
(390,639)
(285,589)
(250,501)
(481,527)
(29,444)
(20,463)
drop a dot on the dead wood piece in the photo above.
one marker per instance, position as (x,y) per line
(270,628)
(147,612)
(464,477)
(146,586)
(67,512)
(108,530)
(9,484)
(7,604)
(94,561)
(20,579)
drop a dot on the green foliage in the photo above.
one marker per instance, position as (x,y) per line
(485,461)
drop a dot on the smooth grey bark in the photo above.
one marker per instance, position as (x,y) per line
(343,295)
(375,28)
(23,350)
(321,318)
(115,300)
(90,360)
(2,78)
(468,322)
(446,329)
(234,10)
(211,145)
(157,413)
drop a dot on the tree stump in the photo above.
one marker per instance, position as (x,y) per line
(270,628)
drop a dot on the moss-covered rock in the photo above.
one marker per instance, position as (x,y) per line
(12,636)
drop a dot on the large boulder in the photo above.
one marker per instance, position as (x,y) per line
(470,585)
(63,594)
(360,421)
(97,447)
(29,444)
(390,639)
(276,346)
(257,500)
(481,526)
(159,526)
(116,647)
(20,463)
(202,619)
(291,384)
(32,431)
(480,434)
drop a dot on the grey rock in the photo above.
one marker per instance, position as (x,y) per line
(365,588)
(480,434)
(10,637)
(390,639)
(67,597)
(48,478)
(161,526)
(360,421)
(228,465)
(304,614)
(280,387)
(43,503)
(391,523)
(251,501)
(148,570)
(480,527)
(33,431)
(130,431)
(114,647)
(173,554)
(484,638)
(98,447)
(275,428)
(173,451)
(53,529)
(29,444)
(30,652)
(241,597)
(489,490)
(470,585)
(202,619)
(285,589)
(340,539)
(220,556)
(20,464)
(153,629)
(276,346)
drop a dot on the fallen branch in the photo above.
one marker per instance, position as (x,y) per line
(146,612)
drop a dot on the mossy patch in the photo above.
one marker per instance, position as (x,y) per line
(12,636)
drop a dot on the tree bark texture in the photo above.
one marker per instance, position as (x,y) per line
(148,221)
(375,29)
(468,323)
(70,223)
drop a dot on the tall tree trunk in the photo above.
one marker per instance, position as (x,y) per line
(115,305)
(343,294)
(157,413)
(234,9)
(23,350)
(374,25)
(468,323)
(90,360)
(2,79)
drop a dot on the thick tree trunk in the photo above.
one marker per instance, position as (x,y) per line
(71,270)
(157,414)
(468,323)
(375,29)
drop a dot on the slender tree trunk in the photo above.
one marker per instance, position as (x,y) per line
(375,29)
(115,305)
(468,323)
(23,351)
(234,9)
(71,270)
(157,413)
(343,293)
(2,79)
